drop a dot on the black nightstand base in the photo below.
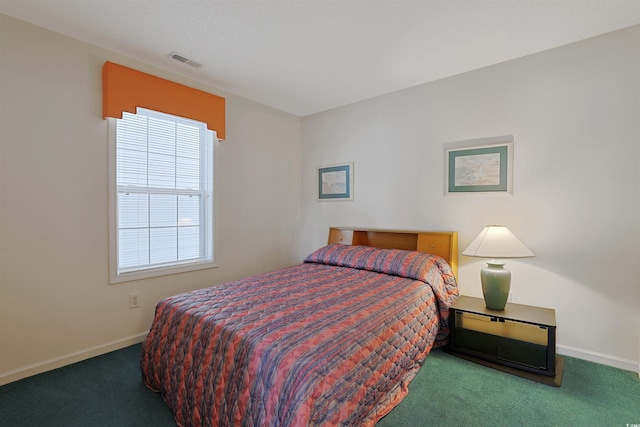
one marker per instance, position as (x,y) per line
(554,381)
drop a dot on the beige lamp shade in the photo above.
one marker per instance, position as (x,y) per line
(497,241)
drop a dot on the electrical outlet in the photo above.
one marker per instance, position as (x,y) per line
(134,300)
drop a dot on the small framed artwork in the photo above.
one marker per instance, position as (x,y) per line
(335,182)
(479,165)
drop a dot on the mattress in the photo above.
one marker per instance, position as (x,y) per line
(333,341)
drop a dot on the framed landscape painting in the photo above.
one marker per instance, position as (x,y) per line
(335,182)
(479,166)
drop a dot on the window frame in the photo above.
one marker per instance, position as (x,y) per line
(143,273)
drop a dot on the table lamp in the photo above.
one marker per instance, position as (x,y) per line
(496,242)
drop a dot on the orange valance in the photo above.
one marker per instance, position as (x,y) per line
(124,89)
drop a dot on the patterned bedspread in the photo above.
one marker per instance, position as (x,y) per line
(333,341)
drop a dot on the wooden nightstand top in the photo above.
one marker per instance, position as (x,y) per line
(517,312)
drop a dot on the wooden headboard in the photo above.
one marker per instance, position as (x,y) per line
(441,243)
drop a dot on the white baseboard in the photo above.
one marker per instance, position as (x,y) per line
(603,359)
(58,362)
(38,368)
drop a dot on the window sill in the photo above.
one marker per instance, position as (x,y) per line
(158,272)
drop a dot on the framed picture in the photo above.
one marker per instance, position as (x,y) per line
(335,182)
(479,165)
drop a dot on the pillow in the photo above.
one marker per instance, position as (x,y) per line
(409,264)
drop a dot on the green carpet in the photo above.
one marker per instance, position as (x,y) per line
(448,391)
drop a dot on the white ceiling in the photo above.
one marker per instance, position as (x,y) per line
(307,56)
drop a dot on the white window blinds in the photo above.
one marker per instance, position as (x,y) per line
(164,192)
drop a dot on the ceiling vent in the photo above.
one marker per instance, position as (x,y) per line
(179,57)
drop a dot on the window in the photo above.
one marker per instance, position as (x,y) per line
(161,195)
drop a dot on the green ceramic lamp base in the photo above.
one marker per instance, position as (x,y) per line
(496,282)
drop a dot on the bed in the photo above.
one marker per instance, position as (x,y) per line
(333,341)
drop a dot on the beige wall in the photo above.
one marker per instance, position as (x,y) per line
(56,304)
(574,114)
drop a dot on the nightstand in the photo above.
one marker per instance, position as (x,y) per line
(520,339)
